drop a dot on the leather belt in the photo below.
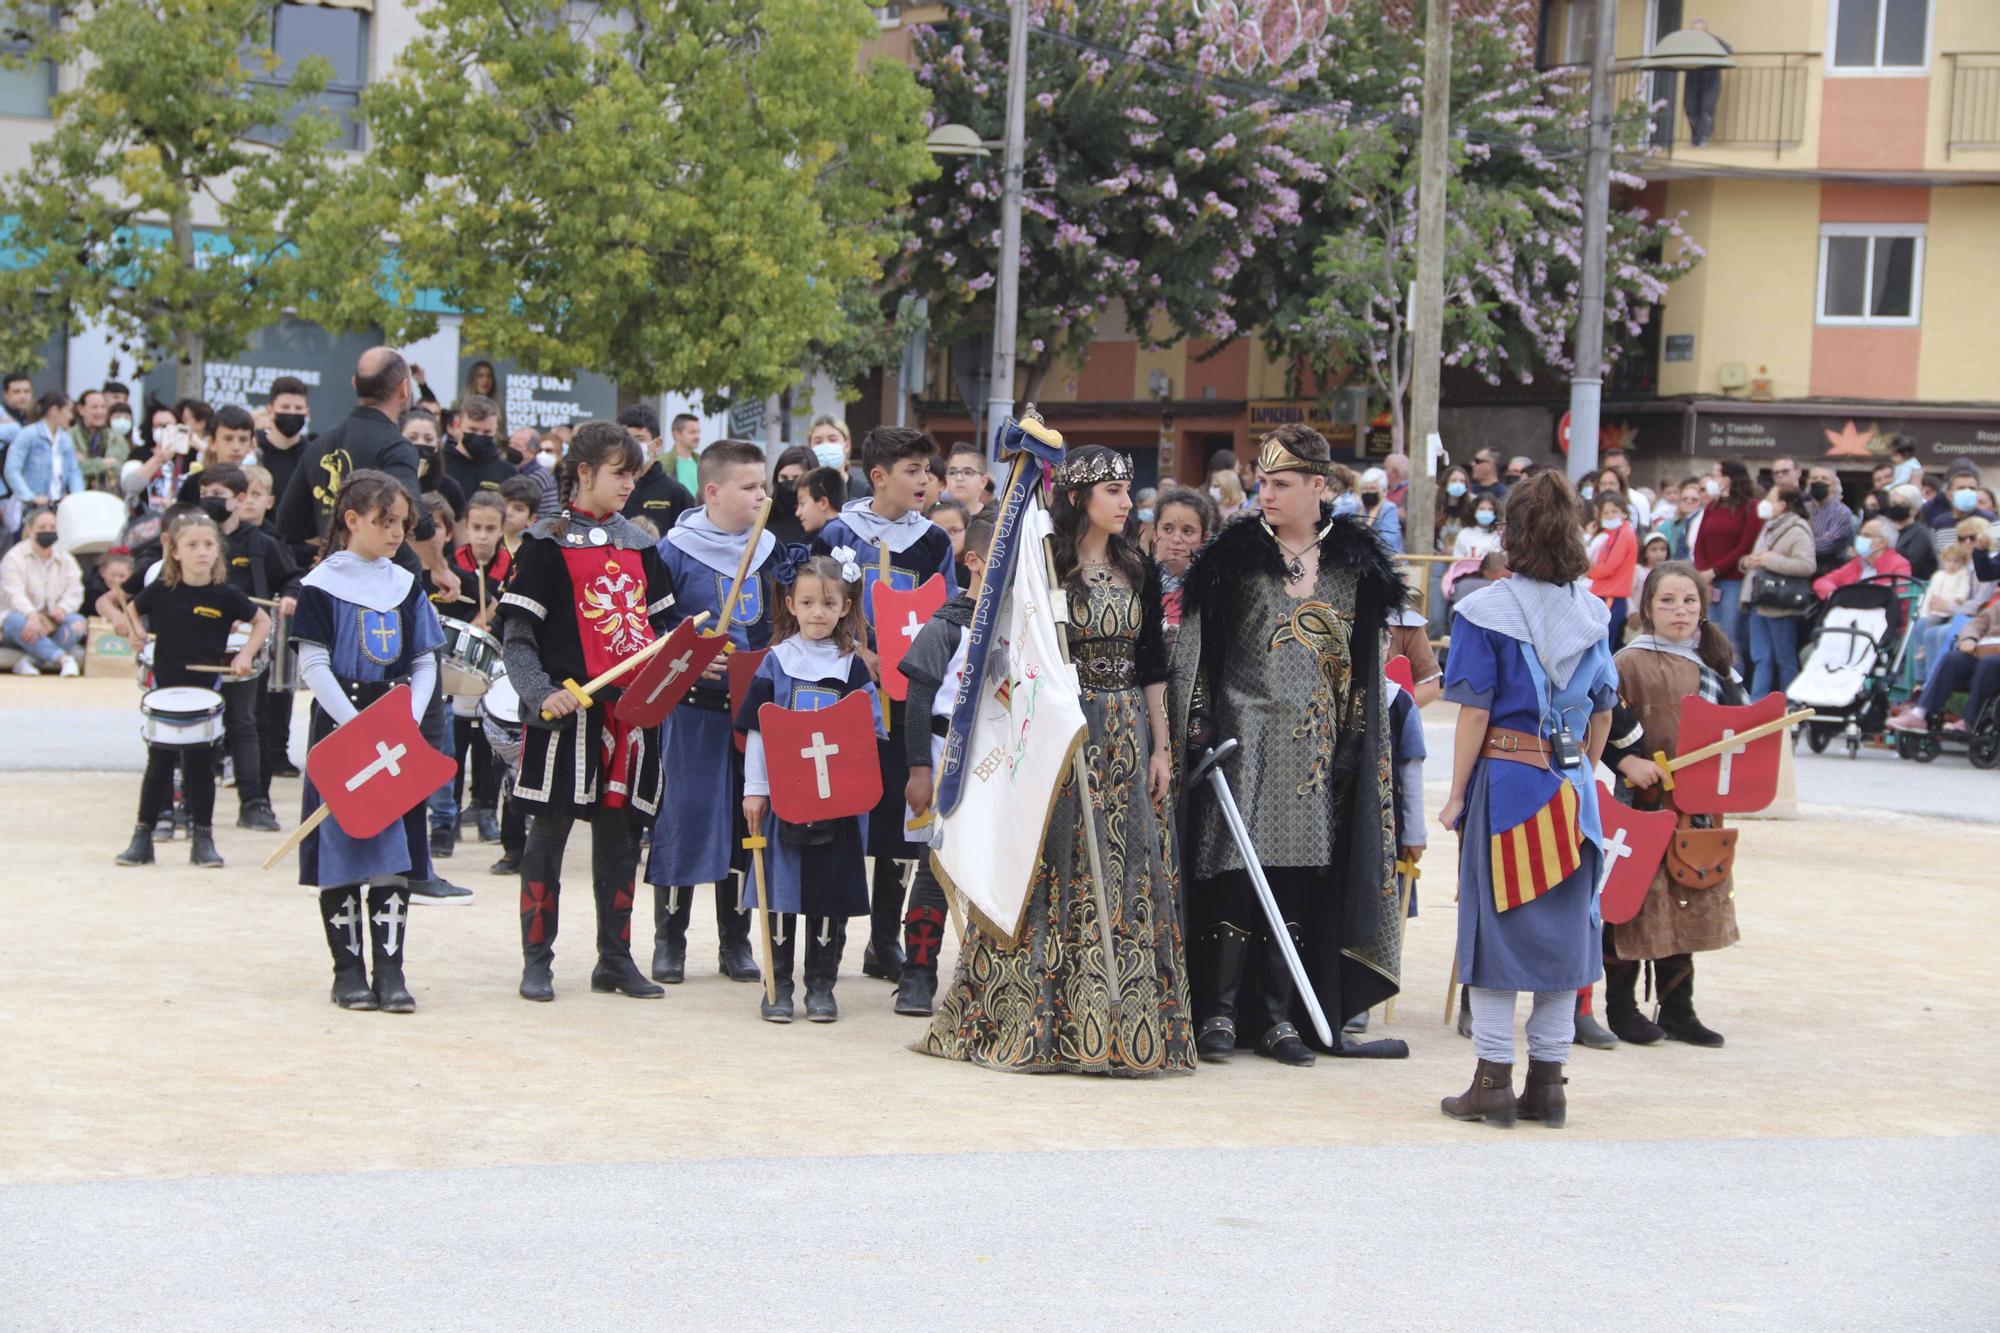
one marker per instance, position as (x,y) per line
(1519,746)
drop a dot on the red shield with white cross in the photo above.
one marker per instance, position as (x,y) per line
(1742,778)
(823,764)
(1635,842)
(667,676)
(899,617)
(743,665)
(374,768)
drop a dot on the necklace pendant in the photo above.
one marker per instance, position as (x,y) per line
(1295,570)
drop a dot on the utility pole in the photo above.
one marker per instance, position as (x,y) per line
(1586,385)
(1000,392)
(1427,335)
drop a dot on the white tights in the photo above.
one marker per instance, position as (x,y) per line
(1551,1025)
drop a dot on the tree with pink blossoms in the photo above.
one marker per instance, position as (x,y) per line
(1145,183)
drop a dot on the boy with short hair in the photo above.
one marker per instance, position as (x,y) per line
(233,435)
(935,667)
(821,493)
(474,460)
(888,536)
(518,498)
(259,566)
(965,476)
(698,834)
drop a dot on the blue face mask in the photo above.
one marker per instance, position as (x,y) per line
(1963,501)
(1611,522)
(1484,518)
(1864,546)
(1456,490)
(1145,516)
(1587,491)
(827,455)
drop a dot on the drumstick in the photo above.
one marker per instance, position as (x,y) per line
(264,601)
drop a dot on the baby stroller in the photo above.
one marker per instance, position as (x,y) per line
(1849,669)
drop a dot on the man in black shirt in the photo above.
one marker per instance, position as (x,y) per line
(475,460)
(369,438)
(282,442)
(658,496)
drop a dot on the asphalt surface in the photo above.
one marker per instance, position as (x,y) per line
(1514,1229)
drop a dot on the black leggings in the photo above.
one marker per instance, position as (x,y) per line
(614,851)
(240,701)
(156,789)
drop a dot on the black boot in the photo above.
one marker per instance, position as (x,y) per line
(1272,1012)
(489,824)
(1220,954)
(784,949)
(539,903)
(203,852)
(444,841)
(826,940)
(732,927)
(1590,1032)
(923,938)
(671,909)
(340,913)
(1621,1004)
(615,970)
(1282,1043)
(258,816)
(388,916)
(1675,979)
(1542,1097)
(139,851)
(884,956)
(163,829)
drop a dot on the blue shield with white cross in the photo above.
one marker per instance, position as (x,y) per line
(381,636)
(812,698)
(902,580)
(749,603)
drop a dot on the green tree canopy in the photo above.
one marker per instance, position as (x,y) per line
(682,194)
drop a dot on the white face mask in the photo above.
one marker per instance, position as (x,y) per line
(547,460)
(827,455)
(1712,486)
(1765,510)
(1611,522)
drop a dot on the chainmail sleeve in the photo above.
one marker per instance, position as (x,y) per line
(524,669)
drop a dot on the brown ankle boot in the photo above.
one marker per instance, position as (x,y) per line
(1542,1097)
(1490,1098)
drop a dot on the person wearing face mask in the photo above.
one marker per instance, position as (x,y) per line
(1381,515)
(41,466)
(1482,538)
(1832,520)
(1784,550)
(282,439)
(420,428)
(1728,532)
(1957,499)
(475,461)
(41,595)
(1873,556)
(1913,539)
(1454,507)
(1614,555)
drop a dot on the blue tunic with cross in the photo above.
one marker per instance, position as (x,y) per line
(827,878)
(370,652)
(698,834)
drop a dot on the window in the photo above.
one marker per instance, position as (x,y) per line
(24,91)
(1870,274)
(341,37)
(1885,35)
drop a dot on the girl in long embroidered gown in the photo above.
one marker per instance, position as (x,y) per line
(816,870)
(1043,1005)
(1679,652)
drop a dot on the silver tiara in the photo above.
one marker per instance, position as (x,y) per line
(1106,466)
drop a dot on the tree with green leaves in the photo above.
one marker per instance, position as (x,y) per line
(163,204)
(680,194)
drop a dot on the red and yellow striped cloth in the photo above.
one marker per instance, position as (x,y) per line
(1536,855)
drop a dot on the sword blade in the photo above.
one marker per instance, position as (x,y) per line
(1269,901)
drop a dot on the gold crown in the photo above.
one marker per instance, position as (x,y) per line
(1275,457)
(1107,466)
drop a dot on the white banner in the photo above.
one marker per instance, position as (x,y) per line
(1024,733)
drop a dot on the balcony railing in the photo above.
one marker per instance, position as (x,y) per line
(1974,121)
(1761,103)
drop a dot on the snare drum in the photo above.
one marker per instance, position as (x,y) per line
(500,718)
(471,660)
(238,638)
(181,716)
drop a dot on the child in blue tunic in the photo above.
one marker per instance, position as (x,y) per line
(698,835)
(815,869)
(887,536)
(364,626)
(1531,672)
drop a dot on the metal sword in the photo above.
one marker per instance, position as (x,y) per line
(1210,768)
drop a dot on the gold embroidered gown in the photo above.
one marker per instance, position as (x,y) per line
(1043,1006)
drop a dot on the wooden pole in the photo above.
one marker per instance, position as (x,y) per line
(586,694)
(881,578)
(306,825)
(1407,875)
(743,568)
(1451,986)
(1669,764)
(755,845)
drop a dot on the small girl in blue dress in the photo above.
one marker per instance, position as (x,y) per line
(815,869)
(363,627)
(1531,672)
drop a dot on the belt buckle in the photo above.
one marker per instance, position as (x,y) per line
(1507,744)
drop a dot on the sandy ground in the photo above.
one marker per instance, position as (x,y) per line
(166,1022)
